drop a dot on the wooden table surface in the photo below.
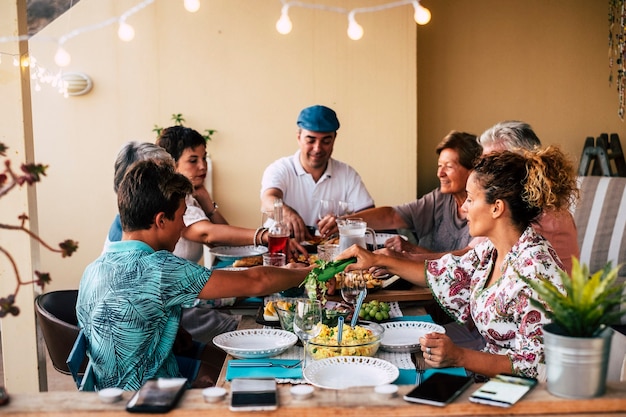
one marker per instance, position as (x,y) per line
(354,402)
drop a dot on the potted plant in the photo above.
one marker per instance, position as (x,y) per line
(577,343)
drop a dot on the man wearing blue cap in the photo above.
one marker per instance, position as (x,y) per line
(310,175)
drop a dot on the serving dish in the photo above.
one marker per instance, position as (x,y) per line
(255,343)
(362,340)
(403,336)
(350,371)
(237,252)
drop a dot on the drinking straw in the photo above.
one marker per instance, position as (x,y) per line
(359,303)
(339,329)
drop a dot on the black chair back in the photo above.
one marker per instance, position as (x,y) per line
(56,315)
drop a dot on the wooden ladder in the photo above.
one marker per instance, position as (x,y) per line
(599,155)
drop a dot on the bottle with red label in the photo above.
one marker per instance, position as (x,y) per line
(278,237)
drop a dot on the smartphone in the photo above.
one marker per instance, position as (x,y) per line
(253,394)
(157,395)
(439,389)
(503,390)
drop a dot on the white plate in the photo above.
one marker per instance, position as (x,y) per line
(255,343)
(403,336)
(237,252)
(343,372)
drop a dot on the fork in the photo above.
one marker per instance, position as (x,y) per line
(264,365)
(417,358)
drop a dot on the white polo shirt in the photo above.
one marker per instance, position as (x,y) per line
(340,182)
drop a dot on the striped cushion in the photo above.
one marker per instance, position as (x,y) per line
(600,217)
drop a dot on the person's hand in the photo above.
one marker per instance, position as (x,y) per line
(364,258)
(295,223)
(440,351)
(398,244)
(296,248)
(327,226)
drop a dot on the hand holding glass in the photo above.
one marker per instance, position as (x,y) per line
(307,322)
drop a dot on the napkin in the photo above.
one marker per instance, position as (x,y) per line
(267,371)
(408,376)
(425,317)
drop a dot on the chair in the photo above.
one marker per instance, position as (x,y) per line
(56,315)
(85,380)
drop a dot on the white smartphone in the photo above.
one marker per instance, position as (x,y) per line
(439,389)
(253,394)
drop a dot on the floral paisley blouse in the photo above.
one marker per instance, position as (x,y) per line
(503,314)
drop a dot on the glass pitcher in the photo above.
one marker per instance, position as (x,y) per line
(352,231)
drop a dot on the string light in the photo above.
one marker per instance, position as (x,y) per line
(126,32)
(355,31)
(283,26)
(192,6)
(62,58)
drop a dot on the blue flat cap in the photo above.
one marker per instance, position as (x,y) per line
(318,119)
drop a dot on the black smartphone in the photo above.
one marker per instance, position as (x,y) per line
(439,389)
(158,395)
(253,394)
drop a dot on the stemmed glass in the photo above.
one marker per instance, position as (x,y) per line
(327,208)
(352,286)
(345,208)
(307,323)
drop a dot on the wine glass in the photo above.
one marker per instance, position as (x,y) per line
(353,284)
(327,208)
(307,322)
(345,208)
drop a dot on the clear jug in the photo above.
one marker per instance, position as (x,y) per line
(352,231)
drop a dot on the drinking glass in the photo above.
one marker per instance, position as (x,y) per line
(345,208)
(327,208)
(307,323)
(353,284)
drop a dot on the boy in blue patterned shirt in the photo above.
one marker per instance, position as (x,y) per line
(130,298)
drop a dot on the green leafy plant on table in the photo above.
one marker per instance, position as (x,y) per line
(9,179)
(590,302)
(178,120)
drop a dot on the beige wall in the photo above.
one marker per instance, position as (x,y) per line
(225,68)
(544,62)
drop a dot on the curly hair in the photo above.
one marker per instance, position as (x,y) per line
(529,181)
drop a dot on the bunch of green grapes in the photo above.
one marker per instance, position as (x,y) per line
(374,311)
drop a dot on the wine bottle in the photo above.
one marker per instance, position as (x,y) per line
(278,236)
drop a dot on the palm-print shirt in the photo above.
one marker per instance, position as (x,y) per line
(129,305)
(502,312)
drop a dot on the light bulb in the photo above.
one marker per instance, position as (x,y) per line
(284,26)
(192,6)
(422,15)
(16,62)
(126,32)
(62,58)
(24,62)
(355,31)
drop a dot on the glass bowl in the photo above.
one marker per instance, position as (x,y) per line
(330,315)
(363,340)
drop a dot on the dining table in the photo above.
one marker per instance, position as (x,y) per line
(350,402)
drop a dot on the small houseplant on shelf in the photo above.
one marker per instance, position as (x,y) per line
(577,343)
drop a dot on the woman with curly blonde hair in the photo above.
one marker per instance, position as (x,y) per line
(506,193)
